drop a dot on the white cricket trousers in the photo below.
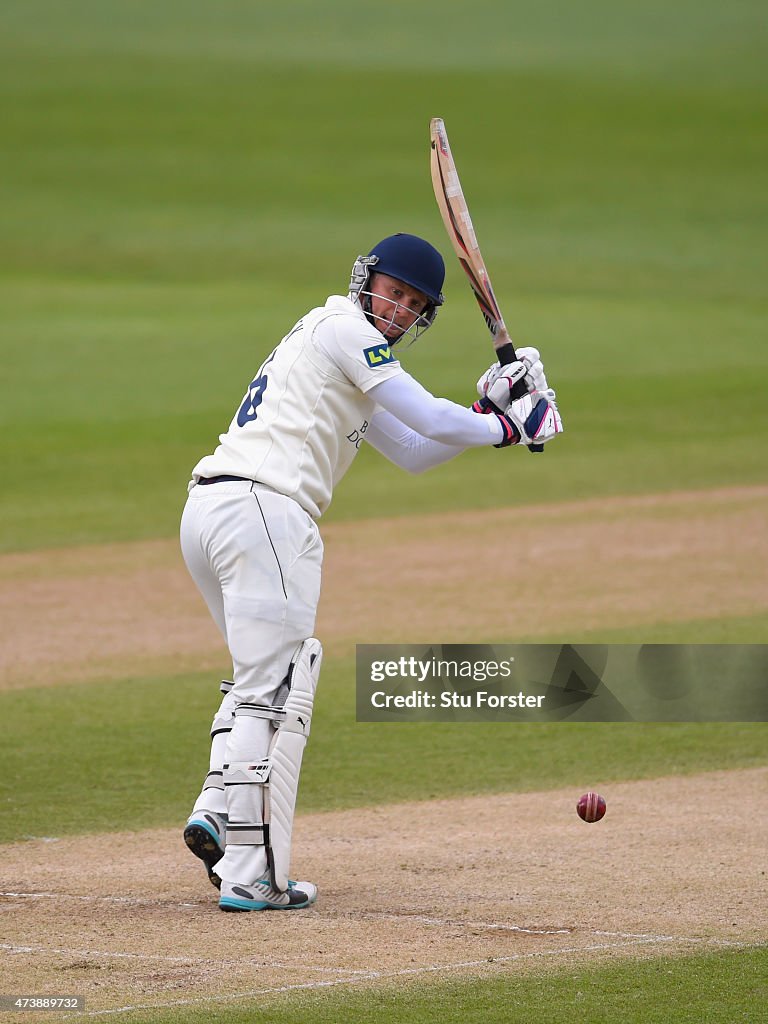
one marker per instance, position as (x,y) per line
(256,557)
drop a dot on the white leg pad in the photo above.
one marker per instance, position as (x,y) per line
(286,752)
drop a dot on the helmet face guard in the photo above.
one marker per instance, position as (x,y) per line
(411,260)
(361,273)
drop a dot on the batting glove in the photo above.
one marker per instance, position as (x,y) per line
(532,419)
(533,370)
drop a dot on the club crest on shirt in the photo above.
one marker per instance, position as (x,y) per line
(377,355)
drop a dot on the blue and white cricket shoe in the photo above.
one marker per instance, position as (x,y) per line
(261,896)
(205,834)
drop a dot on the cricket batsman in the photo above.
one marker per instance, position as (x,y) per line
(250,540)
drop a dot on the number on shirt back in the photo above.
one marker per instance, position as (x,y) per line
(252,400)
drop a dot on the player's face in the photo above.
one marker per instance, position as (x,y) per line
(396,306)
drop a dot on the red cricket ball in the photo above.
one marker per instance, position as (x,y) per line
(591,807)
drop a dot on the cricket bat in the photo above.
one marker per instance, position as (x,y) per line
(458,224)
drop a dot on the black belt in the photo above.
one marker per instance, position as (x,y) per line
(222,479)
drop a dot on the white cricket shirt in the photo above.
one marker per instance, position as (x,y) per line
(306,411)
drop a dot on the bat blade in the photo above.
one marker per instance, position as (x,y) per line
(458,223)
(461,231)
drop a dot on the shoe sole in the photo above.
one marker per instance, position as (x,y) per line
(229,904)
(203,844)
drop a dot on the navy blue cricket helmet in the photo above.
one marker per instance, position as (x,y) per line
(414,261)
(411,260)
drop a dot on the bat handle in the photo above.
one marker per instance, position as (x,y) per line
(507,355)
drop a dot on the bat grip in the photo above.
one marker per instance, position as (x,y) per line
(507,355)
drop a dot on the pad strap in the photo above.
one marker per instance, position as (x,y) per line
(261,711)
(247,835)
(247,773)
(214,780)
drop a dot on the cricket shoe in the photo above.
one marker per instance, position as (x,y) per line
(261,896)
(205,835)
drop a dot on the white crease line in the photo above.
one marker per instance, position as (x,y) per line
(455,923)
(100,953)
(368,976)
(673,938)
(225,963)
(293,966)
(130,900)
(493,926)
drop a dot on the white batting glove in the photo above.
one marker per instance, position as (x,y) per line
(487,379)
(497,383)
(535,380)
(535,419)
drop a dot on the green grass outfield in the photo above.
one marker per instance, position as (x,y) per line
(181,181)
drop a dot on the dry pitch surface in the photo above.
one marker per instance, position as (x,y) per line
(435,890)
